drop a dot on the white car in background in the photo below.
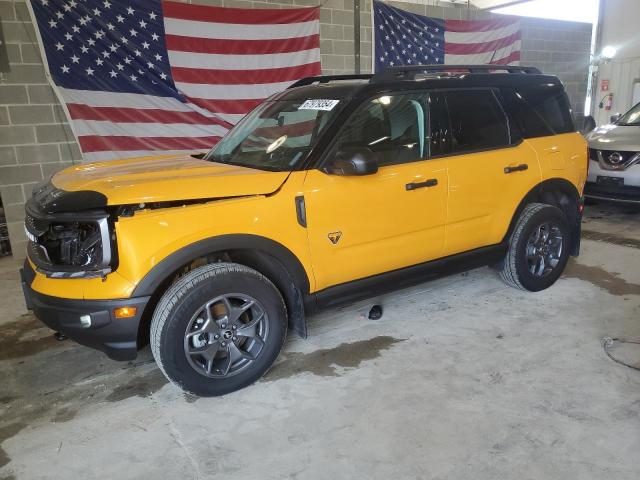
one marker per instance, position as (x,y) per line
(614,159)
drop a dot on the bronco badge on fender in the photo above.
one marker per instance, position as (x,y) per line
(334,237)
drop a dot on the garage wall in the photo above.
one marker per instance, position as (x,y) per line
(35,140)
(619,28)
(563,49)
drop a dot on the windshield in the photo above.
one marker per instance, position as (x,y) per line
(276,136)
(631,118)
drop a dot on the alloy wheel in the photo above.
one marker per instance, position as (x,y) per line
(544,249)
(226,335)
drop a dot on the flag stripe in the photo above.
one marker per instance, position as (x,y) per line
(484,36)
(139,115)
(101,156)
(240,77)
(123,129)
(484,57)
(293,130)
(241,16)
(479,25)
(179,43)
(471,48)
(238,106)
(192,28)
(230,92)
(96,143)
(250,62)
(511,58)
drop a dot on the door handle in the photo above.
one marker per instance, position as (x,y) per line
(518,168)
(432,182)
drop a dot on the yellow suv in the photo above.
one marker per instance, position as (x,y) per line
(337,189)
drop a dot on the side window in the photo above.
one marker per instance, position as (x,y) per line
(540,110)
(554,110)
(529,123)
(439,136)
(477,121)
(392,126)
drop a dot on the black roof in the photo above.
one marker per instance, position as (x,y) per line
(418,77)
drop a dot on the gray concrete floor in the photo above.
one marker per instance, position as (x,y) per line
(462,378)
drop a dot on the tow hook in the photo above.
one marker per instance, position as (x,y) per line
(60,336)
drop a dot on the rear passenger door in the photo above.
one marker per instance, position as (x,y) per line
(490,168)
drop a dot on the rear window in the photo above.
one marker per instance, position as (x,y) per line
(541,110)
(477,121)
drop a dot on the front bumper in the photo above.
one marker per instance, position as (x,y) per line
(618,194)
(117,337)
(628,192)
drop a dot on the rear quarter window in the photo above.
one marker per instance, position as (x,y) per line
(540,111)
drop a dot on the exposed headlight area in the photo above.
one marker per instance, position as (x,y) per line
(69,245)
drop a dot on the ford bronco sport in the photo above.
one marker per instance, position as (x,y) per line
(337,189)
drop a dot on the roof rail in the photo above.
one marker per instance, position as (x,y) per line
(410,72)
(328,78)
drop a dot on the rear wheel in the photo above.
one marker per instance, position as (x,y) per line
(538,248)
(218,329)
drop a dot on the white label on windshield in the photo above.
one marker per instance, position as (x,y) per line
(318,104)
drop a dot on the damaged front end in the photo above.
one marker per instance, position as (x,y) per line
(70,233)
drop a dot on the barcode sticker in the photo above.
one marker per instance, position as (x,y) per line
(318,104)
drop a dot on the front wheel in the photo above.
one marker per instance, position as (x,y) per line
(218,329)
(538,248)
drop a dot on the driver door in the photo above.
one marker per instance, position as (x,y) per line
(359,226)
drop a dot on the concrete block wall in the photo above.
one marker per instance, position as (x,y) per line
(562,49)
(35,139)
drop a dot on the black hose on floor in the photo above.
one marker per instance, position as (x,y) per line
(607,343)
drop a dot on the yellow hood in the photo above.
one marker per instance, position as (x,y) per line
(158,179)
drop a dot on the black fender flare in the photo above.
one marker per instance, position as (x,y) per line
(275,260)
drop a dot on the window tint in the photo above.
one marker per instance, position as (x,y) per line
(393,127)
(555,110)
(440,138)
(528,121)
(477,121)
(541,110)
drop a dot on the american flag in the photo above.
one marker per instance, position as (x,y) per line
(404,38)
(141,77)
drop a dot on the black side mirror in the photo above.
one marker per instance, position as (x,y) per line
(615,118)
(355,161)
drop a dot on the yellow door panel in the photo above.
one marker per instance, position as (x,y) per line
(483,197)
(360,226)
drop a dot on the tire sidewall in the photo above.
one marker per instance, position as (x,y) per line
(526,278)
(174,359)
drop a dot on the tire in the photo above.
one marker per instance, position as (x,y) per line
(516,269)
(185,320)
